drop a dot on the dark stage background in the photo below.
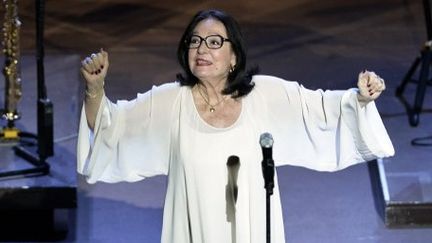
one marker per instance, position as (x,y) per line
(321,44)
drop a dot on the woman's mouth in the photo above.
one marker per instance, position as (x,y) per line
(202,62)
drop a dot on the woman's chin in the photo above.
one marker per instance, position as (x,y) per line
(202,75)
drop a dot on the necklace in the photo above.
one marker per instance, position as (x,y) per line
(207,101)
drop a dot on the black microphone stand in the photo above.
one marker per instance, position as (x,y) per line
(268,169)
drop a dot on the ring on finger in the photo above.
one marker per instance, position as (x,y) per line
(88,60)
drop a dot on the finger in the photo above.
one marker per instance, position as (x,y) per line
(86,74)
(376,88)
(93,64)
(363,77)
(362,80)
(105,58)
(379,84)
(371,84)
(96,63)
(369,78)
(361,84)
(372,77)
(86,64)
(375,95)
(95,60)
(101,60)
(374,83)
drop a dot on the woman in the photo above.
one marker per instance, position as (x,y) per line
(189,129)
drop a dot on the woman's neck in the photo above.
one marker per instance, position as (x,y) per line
(212,89)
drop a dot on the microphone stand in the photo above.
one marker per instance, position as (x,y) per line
(268,169)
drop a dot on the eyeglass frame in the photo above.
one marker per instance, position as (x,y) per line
(188,42)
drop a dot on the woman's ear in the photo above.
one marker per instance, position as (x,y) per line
(233,60)
(232,66)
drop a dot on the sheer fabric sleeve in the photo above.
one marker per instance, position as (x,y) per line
(131,139)
(321,130)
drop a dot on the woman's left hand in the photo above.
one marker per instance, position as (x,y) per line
(370,87)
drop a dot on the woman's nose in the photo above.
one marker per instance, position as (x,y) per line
(202,48)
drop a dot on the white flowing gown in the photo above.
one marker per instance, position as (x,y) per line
(161,132)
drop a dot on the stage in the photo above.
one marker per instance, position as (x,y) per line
(320,44)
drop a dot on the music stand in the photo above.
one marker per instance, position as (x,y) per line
(424,60)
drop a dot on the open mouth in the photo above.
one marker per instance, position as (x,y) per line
(202,62)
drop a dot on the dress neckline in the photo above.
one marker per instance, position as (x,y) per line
(234,124)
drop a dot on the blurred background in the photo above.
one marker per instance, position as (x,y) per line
(321,44)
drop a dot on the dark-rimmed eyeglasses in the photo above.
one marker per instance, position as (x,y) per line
(212,41)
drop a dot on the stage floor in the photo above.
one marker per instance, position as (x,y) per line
(320,44)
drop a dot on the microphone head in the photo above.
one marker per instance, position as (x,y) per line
(266,140)
(233,162)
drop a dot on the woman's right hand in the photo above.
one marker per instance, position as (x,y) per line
(94,69)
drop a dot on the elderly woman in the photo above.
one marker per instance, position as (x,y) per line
(218,109)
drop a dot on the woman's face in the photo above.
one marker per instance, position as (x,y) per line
(211,65)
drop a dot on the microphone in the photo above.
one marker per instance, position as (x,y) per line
(267,164)
(233,165)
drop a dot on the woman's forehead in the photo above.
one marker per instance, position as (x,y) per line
(210,26)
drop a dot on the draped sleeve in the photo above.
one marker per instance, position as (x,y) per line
(131,139)
(320,130)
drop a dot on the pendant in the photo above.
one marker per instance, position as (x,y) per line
(212,109)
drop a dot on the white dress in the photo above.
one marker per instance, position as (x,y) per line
(161,132)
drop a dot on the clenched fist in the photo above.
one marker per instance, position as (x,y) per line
(94,69)
(370,87)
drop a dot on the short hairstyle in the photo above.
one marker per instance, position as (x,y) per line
(239,80)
